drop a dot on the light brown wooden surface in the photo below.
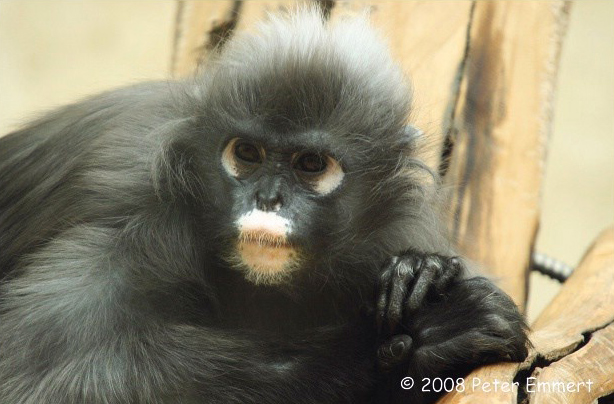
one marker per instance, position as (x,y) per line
(204,25)
(587,374)
(480,386)
(502,122)
(584,304)
(254,11)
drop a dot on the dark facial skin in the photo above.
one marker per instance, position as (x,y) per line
(263,233)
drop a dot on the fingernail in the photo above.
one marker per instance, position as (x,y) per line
(398,348)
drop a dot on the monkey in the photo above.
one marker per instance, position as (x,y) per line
(262,232)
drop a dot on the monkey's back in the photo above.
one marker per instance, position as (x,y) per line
(55,173)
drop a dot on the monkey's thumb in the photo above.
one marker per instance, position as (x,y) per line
(394,352)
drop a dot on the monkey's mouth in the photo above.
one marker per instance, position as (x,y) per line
(264,239)
(268,257)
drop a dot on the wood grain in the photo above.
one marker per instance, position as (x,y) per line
(585,303)
(501,127)
(202,26)
(480,386)
(582,377)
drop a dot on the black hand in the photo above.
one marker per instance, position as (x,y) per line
(432,323)
(406,281)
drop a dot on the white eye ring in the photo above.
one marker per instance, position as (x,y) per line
(228,158)
(330,178)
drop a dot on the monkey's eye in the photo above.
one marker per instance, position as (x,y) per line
(311,163)
(320,172)
(247,153)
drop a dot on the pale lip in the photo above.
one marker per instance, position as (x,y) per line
(264,238)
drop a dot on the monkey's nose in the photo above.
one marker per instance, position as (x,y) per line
(269,202)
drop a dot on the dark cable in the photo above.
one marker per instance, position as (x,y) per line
(550,267)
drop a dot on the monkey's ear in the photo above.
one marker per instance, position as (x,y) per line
(410,136)
(412,133)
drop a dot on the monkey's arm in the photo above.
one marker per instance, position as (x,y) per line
(81,323)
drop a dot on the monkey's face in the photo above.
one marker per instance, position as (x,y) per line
(308,136)
(277,189)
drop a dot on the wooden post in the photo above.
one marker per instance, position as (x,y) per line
(499,134)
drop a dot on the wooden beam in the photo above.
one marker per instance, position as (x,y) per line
(581,377)
(583,310)
(499,134)
(585,303)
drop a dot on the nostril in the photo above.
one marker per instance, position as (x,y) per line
(268,203)
(276,204)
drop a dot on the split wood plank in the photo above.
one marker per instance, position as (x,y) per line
(585,303)
(501,127)
(582,377)
(479,386)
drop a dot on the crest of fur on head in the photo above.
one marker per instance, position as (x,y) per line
(322,68)
(304,35)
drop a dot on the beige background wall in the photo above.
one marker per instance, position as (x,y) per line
(54,52)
